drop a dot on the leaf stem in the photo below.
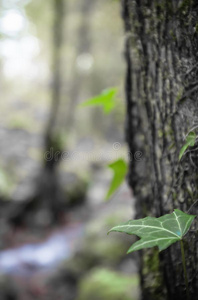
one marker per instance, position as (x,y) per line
(184,269)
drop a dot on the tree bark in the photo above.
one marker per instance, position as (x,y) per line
(162,107)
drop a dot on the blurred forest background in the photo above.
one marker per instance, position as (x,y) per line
(54,55)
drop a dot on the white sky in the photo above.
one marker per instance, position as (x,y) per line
(12,22)
(19,48)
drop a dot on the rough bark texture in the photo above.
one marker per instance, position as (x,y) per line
(162,107)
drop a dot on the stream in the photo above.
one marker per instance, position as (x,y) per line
(46,255)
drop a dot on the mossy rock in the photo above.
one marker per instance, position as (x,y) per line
(109,250)
(104,284)
(76,193)
(74,188)
(97,252)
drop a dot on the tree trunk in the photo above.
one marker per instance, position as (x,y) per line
(51,135)
(48,201)
(49,196)
(162,107)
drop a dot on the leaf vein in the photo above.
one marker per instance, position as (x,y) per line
(150,241)
(149,226)
(178,222)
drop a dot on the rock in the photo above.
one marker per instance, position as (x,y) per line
(74,188)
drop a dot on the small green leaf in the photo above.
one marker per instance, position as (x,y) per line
(190,139)
(190,142)
(119,168)
(182,151)
(160,232)
(106,99)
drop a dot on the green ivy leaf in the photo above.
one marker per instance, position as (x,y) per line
(106,99)
(190,142)
(119,168)
(160,232)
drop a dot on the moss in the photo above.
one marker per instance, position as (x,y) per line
(179,94)
(104,284)
(175,196)
(152,261)
(185,6)
(151,270)
(172,34)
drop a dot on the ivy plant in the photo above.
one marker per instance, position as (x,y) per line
(119,168)
(161,232)
(106,100)
(190,142)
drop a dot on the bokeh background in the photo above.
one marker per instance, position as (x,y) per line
(54,153)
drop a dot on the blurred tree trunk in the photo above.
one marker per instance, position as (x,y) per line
(162,107)
(83,46)
(51,135)
(49,192)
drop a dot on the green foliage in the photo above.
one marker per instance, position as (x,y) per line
(106,99)
(18,121)
(5,184)
(190,142)
(103,284)
(161,232)
(119,168)
(108,252)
